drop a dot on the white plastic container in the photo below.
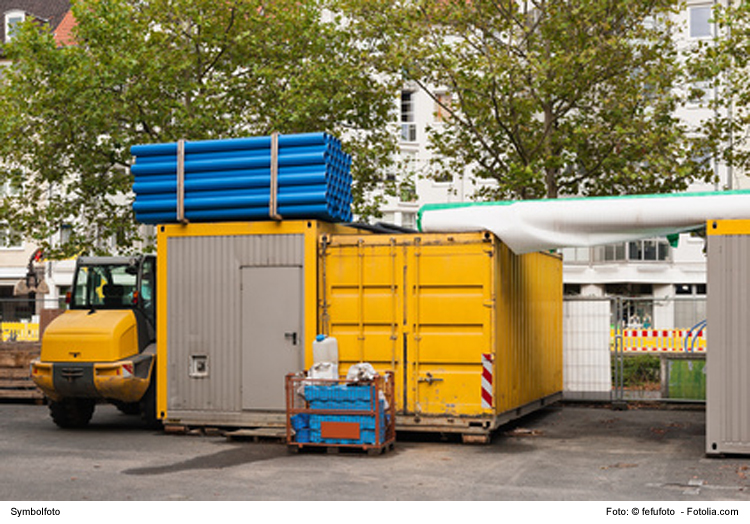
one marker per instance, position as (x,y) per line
(325,349)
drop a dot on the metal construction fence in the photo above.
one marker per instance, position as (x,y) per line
(622,348)
(20,318)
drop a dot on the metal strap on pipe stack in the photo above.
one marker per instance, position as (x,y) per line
(232,179)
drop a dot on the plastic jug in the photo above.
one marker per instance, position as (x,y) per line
(325,349)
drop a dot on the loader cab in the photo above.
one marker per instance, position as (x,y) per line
(116,283)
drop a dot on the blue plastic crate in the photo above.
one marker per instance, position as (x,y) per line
(300,421)
(367,436)
(305,436)
(366,424)
(341,405)
(338,392)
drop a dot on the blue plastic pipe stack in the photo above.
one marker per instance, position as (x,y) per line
(231,179)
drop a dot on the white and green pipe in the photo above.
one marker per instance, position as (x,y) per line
(536,225)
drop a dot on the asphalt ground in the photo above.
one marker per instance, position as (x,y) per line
(561,453)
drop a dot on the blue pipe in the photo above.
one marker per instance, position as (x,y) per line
(697,329)
(169,184)
(246,162)
(230,179)
(232,144)
(224,200)
(240,153)
(258,171)
(218,193)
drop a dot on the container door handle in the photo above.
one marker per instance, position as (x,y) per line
(293,336)
(430,379)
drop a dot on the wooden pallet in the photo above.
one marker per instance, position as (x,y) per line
(335,449)
(15,375)
(258,434)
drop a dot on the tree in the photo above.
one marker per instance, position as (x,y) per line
(721,66)
(549,97)
(161,70)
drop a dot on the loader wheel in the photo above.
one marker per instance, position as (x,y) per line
(148,407)
(72,412)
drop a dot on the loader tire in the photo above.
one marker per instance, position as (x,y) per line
(72,412)
(148,407)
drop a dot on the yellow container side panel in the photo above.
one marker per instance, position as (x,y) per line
(450,318)
(529,347)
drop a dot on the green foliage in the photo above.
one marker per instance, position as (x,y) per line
(549,97)
(721,74)
(639,370)
(160,70)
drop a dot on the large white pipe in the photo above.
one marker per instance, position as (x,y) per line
(535,225)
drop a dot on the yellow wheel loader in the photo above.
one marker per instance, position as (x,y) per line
(103,348)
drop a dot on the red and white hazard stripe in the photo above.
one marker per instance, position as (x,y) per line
(487,380)
(662,340)
(127,370)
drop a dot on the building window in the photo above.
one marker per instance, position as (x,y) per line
(409,220)
(12,20)
(700,22)
(576,255)
(8,237)
(654,250)
(389,217)
(700,92)
(689,289)
(408,127)
(610,253)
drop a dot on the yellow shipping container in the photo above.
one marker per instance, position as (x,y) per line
(472,331)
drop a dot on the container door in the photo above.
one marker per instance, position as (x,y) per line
(362,304)
(450,317)
(272,329)
(421,306)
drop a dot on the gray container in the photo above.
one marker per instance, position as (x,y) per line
(728,338)
(236,313)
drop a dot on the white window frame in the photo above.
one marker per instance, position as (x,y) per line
(408,125)
(409,219)
(694,9)
(12,18)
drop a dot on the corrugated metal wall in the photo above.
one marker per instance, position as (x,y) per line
(728,338)
(204,313)
(529,330)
